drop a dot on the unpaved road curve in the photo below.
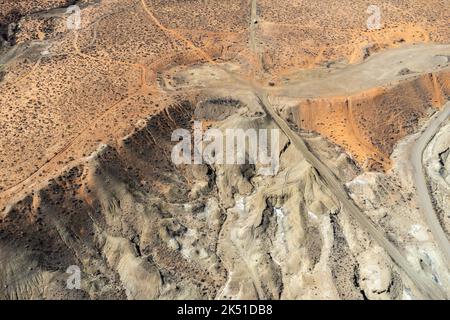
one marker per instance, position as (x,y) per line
(419,177)
(424,283)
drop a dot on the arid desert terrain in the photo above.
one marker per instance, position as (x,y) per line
(93,205)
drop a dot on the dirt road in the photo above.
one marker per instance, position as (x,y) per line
(419,175)
(421,58)
(424,283)
(253,27)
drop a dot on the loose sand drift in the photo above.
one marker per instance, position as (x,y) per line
(86,175)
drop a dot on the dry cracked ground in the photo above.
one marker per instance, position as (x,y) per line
(358,209)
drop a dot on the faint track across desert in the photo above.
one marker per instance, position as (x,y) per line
(422,282)
(425,285)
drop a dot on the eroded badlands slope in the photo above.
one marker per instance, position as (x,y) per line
(86,176)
